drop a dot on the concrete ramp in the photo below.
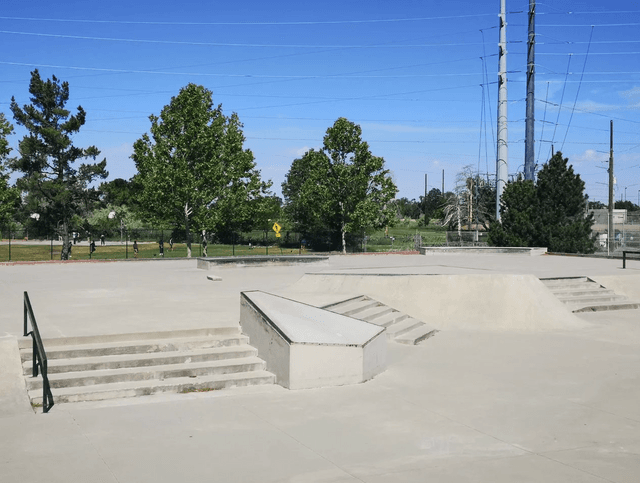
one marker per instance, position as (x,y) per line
(475,302)
(305,346)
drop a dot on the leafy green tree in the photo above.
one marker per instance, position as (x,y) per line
(625,205)
(57,189)
(340,189)
(550,213)
(432,205)
(193,171)
(9,196)
(119,192)
(407,208)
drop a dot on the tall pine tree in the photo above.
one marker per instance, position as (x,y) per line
(551,213)
(56,188)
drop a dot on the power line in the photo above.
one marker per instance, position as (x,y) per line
(301,22)
(577,92)
(229,44)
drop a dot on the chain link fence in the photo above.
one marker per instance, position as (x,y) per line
(150,243)
(626,231)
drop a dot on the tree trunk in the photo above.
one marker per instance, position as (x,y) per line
(65,253)
(187,212)
(342,230)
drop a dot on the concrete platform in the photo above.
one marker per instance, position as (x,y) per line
(483,250)
(307,347)
(211,262)
(555,405)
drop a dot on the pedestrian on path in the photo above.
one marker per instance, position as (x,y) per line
(135,248)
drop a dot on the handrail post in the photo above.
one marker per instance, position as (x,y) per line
(39,355)
(25,314)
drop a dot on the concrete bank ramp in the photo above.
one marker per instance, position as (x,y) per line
(476,302)
(305,346)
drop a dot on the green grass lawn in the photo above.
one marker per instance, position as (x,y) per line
(403,235)
(25,252)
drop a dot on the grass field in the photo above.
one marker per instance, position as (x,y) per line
(26,252)
(399,238)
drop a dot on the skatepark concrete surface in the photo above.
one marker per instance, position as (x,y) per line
(532,401)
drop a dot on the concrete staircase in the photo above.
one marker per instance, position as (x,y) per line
(400,327)
(96,368)
(582,294)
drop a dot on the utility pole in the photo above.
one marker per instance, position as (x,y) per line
(611,179)
(443,182)
(426,178)
(502,167)
(529,146)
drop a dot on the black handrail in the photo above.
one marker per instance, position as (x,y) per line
(39,356)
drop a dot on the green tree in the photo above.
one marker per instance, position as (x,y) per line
(550,213)
(518,213)
(9,196)
(119,192)
(57,189)
(432,205)
(625,205)
(193,171)
(340,189)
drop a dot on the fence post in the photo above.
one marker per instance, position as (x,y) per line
(51,247)
(126,247)
(9,244)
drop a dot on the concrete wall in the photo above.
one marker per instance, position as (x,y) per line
(628,285)
(272,347)
(477,302)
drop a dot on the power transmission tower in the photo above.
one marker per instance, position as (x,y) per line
(611,182)
(502,166)
(529,147)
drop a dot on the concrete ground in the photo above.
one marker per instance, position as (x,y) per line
(467,405)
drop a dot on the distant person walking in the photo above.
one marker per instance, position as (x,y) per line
(102,239)
(161,247)
(135,248)
(171,243)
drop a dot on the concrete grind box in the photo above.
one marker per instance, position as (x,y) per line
(306,347)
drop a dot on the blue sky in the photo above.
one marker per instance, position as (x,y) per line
(419,77)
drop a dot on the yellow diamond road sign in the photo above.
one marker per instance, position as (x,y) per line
(277,228)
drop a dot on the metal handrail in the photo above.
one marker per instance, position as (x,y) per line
(39,355)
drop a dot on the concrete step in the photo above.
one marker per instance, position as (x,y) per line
(625,305)
(552,282)
(137,346)
(374,313)
(583,291)
(355,308)
(157,373)
(134,336)
(57,366)
(402,327)
(147,387)
(417,335)
(568,300)
(389,318)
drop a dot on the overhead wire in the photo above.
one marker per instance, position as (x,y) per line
(577,92)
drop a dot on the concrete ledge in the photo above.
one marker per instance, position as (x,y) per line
(207,263)
(307,347)
(533,251)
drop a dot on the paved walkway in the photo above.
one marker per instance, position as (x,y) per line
(466,405)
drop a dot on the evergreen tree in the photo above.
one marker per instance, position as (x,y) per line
(551,213)
(56,189)
(9,196)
